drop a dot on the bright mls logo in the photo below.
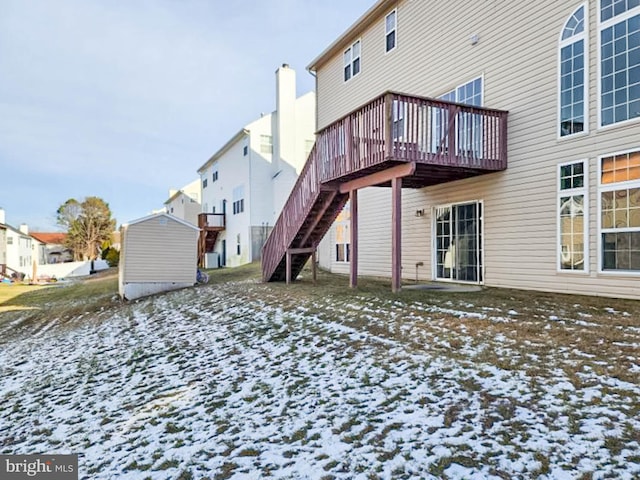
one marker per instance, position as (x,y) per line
(50,467)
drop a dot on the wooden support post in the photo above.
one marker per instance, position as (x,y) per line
(396,231)
(353,241)
(313,266)
(288,267)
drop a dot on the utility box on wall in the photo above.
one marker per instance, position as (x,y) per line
(211,260)
(158,253)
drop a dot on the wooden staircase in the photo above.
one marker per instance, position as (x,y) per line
(210,224)
(324,209)
(440,141)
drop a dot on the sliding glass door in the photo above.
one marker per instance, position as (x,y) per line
(458,242)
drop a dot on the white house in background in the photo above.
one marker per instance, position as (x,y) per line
(51,248)
(17,250)
(247,181)
(185,203)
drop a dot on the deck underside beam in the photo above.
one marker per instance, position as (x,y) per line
(377,178)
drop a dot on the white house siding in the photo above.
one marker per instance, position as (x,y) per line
(267,178)
(19,251)
(233,172)
(302,130)
(517,56)
(185,203)
(3,245)
(159,249)
(259,179)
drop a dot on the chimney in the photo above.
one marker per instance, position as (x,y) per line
(2,217)
(24,228)
(284,136)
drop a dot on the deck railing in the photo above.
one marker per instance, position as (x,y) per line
(393,127)
(413,129)
(211,220)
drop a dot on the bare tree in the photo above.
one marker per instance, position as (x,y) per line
(88,225)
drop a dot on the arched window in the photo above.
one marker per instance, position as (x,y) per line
(572,114)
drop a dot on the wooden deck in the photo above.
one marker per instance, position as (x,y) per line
(210,224)
(438,142)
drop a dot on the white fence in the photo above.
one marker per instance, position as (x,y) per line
(69,269)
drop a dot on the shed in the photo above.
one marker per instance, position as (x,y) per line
(158,253)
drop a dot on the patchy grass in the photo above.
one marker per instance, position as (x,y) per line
(38,307)
(243,379)
(9,291)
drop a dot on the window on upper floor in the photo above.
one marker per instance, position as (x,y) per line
(214,176)
(9,240)
(468,141)
(238,200)
(572,68)
(390,31)
(245,150)
(572,212)
(351,58)
(398,109)
(238,206)
(266,144)
(619,61)
(619,192)
(204,183)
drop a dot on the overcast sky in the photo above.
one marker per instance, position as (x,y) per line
(124,99)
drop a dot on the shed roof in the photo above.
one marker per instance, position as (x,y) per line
(156,215)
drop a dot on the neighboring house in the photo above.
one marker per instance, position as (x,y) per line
(51,247)
(185,203)
(17,249)
(246,182)
(550,203)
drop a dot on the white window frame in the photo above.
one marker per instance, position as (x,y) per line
(606,188)
(570,192)
(266,144)
(584,36)
(349,60)
(434,242)
(602,26)
(435,141)
(388,31)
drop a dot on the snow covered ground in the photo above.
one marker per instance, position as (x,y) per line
(232,381)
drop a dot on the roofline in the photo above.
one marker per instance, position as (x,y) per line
(153,215)
(174,196)
(6,226)
(224,149)
(352,33)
